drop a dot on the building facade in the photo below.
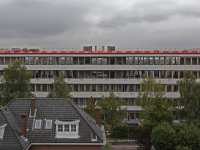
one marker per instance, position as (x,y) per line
(95,73)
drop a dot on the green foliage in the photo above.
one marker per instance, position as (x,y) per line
(60,88)
(159,112)
(108,146)
(189,136)
(164,137)
(149,89)
(175,137)
(90,107)
(125,131)
(183,148)
(189,102)
(111,108)
(15,82)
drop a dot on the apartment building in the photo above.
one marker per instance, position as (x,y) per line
(94,73)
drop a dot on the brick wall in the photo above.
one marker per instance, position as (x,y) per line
(64,147)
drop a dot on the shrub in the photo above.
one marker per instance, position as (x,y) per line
(189,137)
(164,137)
(125,131)
(108,146)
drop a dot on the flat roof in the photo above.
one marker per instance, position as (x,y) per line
(99,52)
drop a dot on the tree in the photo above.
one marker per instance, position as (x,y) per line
(15,82)
(189,101)
(164,137)
(112,110)
(149,90)
(90,107)
(158,113)
(60,88)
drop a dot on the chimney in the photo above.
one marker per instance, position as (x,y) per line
(24,125)
(32,107)
(97,115)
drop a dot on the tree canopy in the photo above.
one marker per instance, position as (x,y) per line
(149,90)
(15,82)
(60,88)
(112,110)
(189,101)
(90,107)
(158,113)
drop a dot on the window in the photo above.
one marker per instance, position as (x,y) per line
(2,129)
(66,128)
(73,128)
(94,136)
(48,124)
(38,124)
(60,128)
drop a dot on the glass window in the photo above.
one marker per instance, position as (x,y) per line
(104,61)
(141,61)
(151,62)
(26,61)
(136,60)
(94,88)
(156,60)
(169,88)
(66,128)
(145,60)
(60,128)
(87,87)
(75,87)
(81,87)
(99,62)
(48,124)
(68,60)
(175,88)
(73,128)
(31,60)
(62,60)
(38,124)
(94,61)
(130,60)
(162,60)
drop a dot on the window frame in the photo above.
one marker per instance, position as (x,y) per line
(50,124)
(38,128)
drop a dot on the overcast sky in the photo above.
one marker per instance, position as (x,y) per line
(124,23)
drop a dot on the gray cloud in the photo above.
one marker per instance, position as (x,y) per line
(126,23)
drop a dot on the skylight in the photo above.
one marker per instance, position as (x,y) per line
(48,124)
(38,124)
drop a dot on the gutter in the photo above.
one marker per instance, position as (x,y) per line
(104,142)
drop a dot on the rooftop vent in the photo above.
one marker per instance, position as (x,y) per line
(87,48)
(111,48)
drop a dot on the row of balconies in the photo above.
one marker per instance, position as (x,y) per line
(103,60)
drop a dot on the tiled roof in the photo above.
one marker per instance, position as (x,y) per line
(53,109)
(12,139)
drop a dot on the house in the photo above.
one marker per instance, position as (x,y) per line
(53,124)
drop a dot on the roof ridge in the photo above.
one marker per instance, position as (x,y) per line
(75,106)
(11,126)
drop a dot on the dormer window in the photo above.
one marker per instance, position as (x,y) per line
(67,129)
(2,130)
